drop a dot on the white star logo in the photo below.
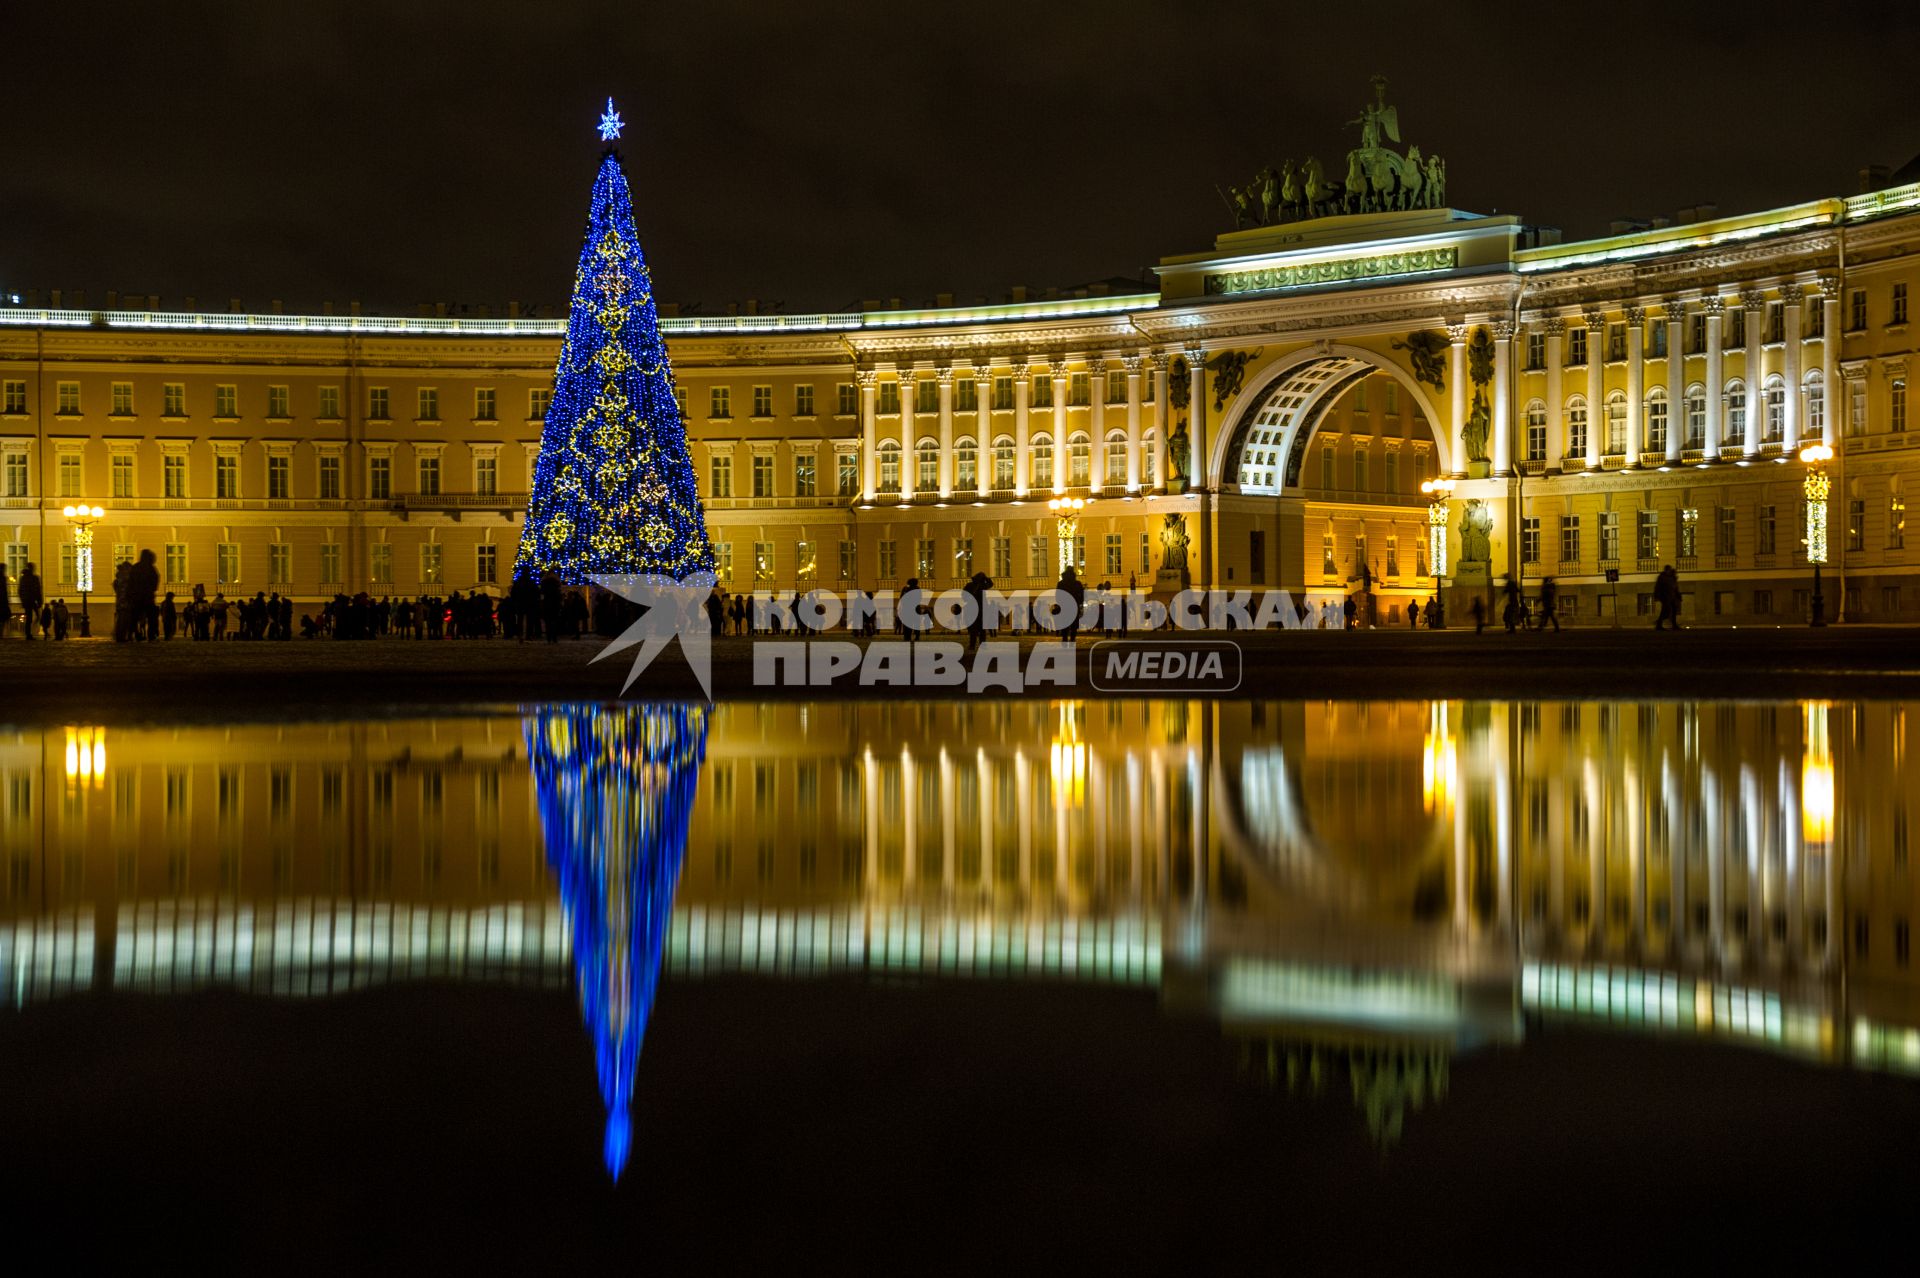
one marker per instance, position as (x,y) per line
(610,123)
(672,610)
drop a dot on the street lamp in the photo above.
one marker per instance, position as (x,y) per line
(1066,522)
(1437,491)
(1817,486)
(82,518)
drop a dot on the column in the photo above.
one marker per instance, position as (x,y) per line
(1713,307)
(946,431)
(983,429)
(1132,364)
(1596,384)
(1790,295)
(1057,374)
(1020,396)
(869,433)
(1556,403)
(1503,397)
(1097,423)
(909,461)
(1197,416)
(1457,379)
(1636,383)
(1161,361)
(1832,402)
(1755,365)
(1676,317)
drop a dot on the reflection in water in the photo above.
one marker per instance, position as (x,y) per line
(616,788)
(1352,890)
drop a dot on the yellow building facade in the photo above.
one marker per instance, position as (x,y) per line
(1633,402)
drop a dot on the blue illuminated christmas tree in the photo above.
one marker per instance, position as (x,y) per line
(615,787)
(613,491)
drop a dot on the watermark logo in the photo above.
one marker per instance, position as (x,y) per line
(669,610)
(1149,665)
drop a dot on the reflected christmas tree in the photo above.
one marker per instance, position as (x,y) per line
(615,785)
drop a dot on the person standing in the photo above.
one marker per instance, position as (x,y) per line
(1076,596)
(30,598)
(6,601)
(143,582)
(1549,604)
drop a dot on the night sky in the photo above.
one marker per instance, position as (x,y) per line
(812,155)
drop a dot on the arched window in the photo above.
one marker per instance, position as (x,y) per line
(1079,460)
(1657,421)
(1696,416)
(1003,463)
(1776,428)
(1736,412)
(1148,475)
(889,465)
(1616,424)
(1116,476)
(1576,430)
(1040,461)
(966,465)
(1816,426)
(1536,431)
(927,470)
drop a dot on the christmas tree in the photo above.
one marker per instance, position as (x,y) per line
(615,787)
(613,490)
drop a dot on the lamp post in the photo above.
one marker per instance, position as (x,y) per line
(1437,491)
(82,518)
(1066,522)
(1817,486)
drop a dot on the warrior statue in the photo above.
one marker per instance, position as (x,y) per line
(1179,451)
(1476,527)
(1173,543)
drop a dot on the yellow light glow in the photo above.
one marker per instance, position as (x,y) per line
(1816,778)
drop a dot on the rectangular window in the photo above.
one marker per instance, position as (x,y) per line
(1040,557)
(720,401)
(806,565)
(804,483)
(1569,540)
(330,564)
(847,396)
(1326,467)
(1856,525)
(763,401)
(122,395)
(277,402)
(14,482)
(1776,322)
(16,558)
(848,476)
(723,560)
(763,475)
(430,563)
(13,400)
(849,560)
(429,468)
(966,395)
(1146,553)
(279,563)
(1536,351)
(1697,333)
(67,399)
(486,563)
(1726,535)
(923,559)
(329,403)
(176,563)
(428,402)
(1329,565)
(1610,536)
(1616,342)
(378,404)
(226,401)
(173,475)
(1648,524)
(381,566)
(887,563)
(329,482)
(926,396)
(227,562)
(1079,391)
(120,471)
(803,401)
(889,398)
(67,475)
(278,466)
(1529,539)
(541,399)
(1359,470)
(380,478)
(1116,386)
(1577,347)
(720,476)
(1041,393)
(1856,408)
(1897,313)
(486,475)
(1689,529)
(1115,554)
(1737,327)
(1768,526)
(1002,394)
(1896,523)
(1856,310)
(485,404)
(962,558)
(1897,405)
(1003,557)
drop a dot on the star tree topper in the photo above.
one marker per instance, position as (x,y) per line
(610,123)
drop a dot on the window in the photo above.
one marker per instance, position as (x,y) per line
(963,557)
(1079,461)
(1856,310)
(1003,557)
(1897,314)
(486,564)
(887,561)
(120,470)
(1576,429)
(926,466)
(279,563)
(429,469)
(1649,534)
(849,474)
(381,567)
(67,399)
(329,478)
(889,466)
(277,402)
(1616,342)
(1148,464)
(966,395)
(1569,540)
(175,560)
(1529,539)
(539,401)
(1577,347)
(1146,553)
(1002,394)
(1896,522)
(378,407)
(1776,322)
(1616,424)
(720,476)
(926,396)
(380,478)
(1609,536)
(226,475)
(1768,525)
(1856,525)
(1816,406)
(173,475)
(1737,327)
(889,398)
(330,564)
(1116,554)
(1536,351)
(13,474)
(1897,405)
(1657,342)
(1040,461)
(804,483)
(430,563)
(849,559)
(428,402)
(1696,418)
(1116,464)
(486,475)
(277,468)
(763,401)
(1697,333)
(1116,386)
(13,398)
(227,561)
(720,401)
(1359,469)
(806,565)
(329,402)
(1536,432)
(1776,419)
(1857,407)
(1726,536)
(1657,423)
(484,404)
(848,399)
(966,466)
(1042,394)
(1736,413)
(723,560)
(1360,397)
(803,401)
(763,474)
(1326,466)
(1689,526)
(1393,461)
(1039,557)
(122,396)
(1393,554)
(226,401)
(1328,565)
(923,559)
(67,475)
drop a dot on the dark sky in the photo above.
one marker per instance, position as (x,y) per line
(813,154)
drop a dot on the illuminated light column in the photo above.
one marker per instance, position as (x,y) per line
(1503,397)
(946,432)
(1596,384)
(1817,486)
(1097,424)
(1636,441)
(1556,405)
(1831,401)
(1754,370)
(1132,365)
(1457,379)
(82,517)
(1790,296)
(1713,307)
(1020,424)
(1066,517)
(869,432)
(1057,374)
(909,452)
(1437,491)
(909,822)
(1676,318)
(1162,361)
